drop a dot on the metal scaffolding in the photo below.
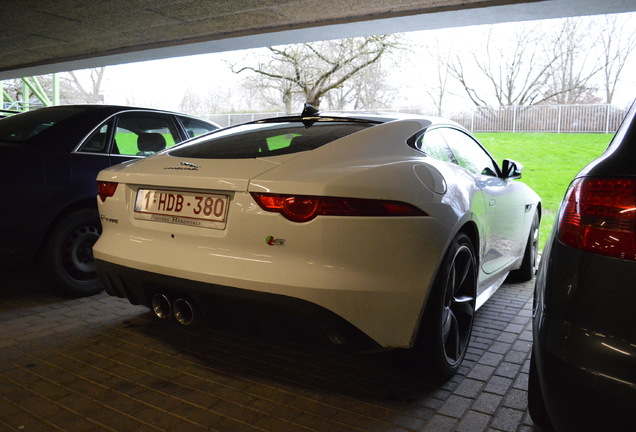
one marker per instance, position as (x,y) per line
(31,87)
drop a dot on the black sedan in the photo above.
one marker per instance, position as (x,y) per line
(6,113)
(583,364)
(49,159)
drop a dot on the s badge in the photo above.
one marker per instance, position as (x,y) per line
(273,241)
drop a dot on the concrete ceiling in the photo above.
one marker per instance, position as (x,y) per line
(39,37)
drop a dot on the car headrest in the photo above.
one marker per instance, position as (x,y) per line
(151,142)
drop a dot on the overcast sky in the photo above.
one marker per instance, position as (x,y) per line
(162,83)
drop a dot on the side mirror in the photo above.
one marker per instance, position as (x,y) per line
(511,169)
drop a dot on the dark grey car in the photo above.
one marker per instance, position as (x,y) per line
(583,365)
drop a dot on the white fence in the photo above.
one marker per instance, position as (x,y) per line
(539,118)
(544,118)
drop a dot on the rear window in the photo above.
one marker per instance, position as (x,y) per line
(22,127)
(257,140)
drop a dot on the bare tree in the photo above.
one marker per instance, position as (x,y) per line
(223,98)
(339,98)
(190,102)
(438,93)
(513,72)
(314,69)
(366,90)
(84,86)
(207,102)
(272,92)
(560,66)
(618,42)
(570,75)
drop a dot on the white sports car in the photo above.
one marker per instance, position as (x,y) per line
(387,230)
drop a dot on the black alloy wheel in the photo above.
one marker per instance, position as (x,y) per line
(450,312)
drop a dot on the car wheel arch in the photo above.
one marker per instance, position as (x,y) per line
(65,259)
(539,212)
(85,204)
(470,229)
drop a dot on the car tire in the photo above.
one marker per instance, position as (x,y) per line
(536,405)
(448,321)
(67,259)
(530,256)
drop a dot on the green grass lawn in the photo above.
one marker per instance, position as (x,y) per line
(550,162)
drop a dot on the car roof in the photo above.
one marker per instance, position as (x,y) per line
(107,109)
(97,108)
(73,122)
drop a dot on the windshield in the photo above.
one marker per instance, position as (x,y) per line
(22,127)
(256,140)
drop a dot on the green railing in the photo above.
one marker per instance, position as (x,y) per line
(31,88)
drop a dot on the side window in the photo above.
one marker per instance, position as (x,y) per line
(468,153)
(98,142)
(144,134)
(196,127)
(433,144)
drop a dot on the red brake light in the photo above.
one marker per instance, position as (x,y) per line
(303,208)
(300,209)
(599,215)
(106,189)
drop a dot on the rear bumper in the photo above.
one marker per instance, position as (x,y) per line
(234,308)
(375,273)
(580,391)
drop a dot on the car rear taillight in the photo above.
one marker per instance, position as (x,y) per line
(106,189)
(599,215)
(303,208)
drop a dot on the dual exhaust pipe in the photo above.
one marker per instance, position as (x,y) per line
(181,309)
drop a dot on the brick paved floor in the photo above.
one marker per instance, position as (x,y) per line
(101,364)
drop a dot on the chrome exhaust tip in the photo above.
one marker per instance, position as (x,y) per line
(161,306)
(183,311)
